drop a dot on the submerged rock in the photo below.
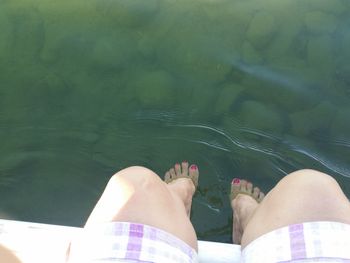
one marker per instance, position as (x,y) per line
(320,23)
(128,13)
(339,138)
(113,51)
(250,55)
(237,12)
(261,29)
(154,88)
(202,98)
(5,36)
(317,119)
(259,117)
(189,62)
(70,32)
(286,42)
(227,97)
(29,33)
(185,47)
(146,45)
(343,53)
(340,129)
(330,6)
(320,53)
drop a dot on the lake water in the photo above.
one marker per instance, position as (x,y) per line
(252,89)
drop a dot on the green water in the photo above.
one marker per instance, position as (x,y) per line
(252,89)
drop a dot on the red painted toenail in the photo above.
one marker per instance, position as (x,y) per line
(194,167)
(236,181)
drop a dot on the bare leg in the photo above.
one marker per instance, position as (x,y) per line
(245,199)
(302,196)
(7,256)
(138,195)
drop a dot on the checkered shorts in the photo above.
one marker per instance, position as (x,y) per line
(307,242)
(129,242)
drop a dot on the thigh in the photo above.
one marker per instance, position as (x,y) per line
(7,256)
(303,196)
(138,195)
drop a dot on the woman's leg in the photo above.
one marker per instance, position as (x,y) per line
(138,195)
(7,256)
(302,196)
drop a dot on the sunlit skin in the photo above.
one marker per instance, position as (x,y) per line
(291,201)
(120,190)
(136,194)
(7,256)
(135,191)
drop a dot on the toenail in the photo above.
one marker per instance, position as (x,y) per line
(193,167)
(236,181)
(184,162)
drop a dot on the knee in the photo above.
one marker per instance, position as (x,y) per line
(308,179)
(136,177)
(309,176)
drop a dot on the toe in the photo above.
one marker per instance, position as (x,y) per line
(167,177)
(178,169)
(261,197)
(184,166)
(194,174)
(243,187)
(235,187)
(250,188)
(256,193)
(172,174)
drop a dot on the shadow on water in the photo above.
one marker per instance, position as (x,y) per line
(239,88)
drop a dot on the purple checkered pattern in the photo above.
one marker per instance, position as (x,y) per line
(307,242)
(129,242)
(297,241)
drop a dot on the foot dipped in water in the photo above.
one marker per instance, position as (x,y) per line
(182,180)
(244,200)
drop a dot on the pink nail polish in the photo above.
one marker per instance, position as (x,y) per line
(236,181)
(193,167)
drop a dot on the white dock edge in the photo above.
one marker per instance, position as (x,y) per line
(39,243)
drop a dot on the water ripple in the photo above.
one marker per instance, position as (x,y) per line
(234,140)
(287,146)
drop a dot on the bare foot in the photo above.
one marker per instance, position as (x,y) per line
(183,181)
(244,201)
